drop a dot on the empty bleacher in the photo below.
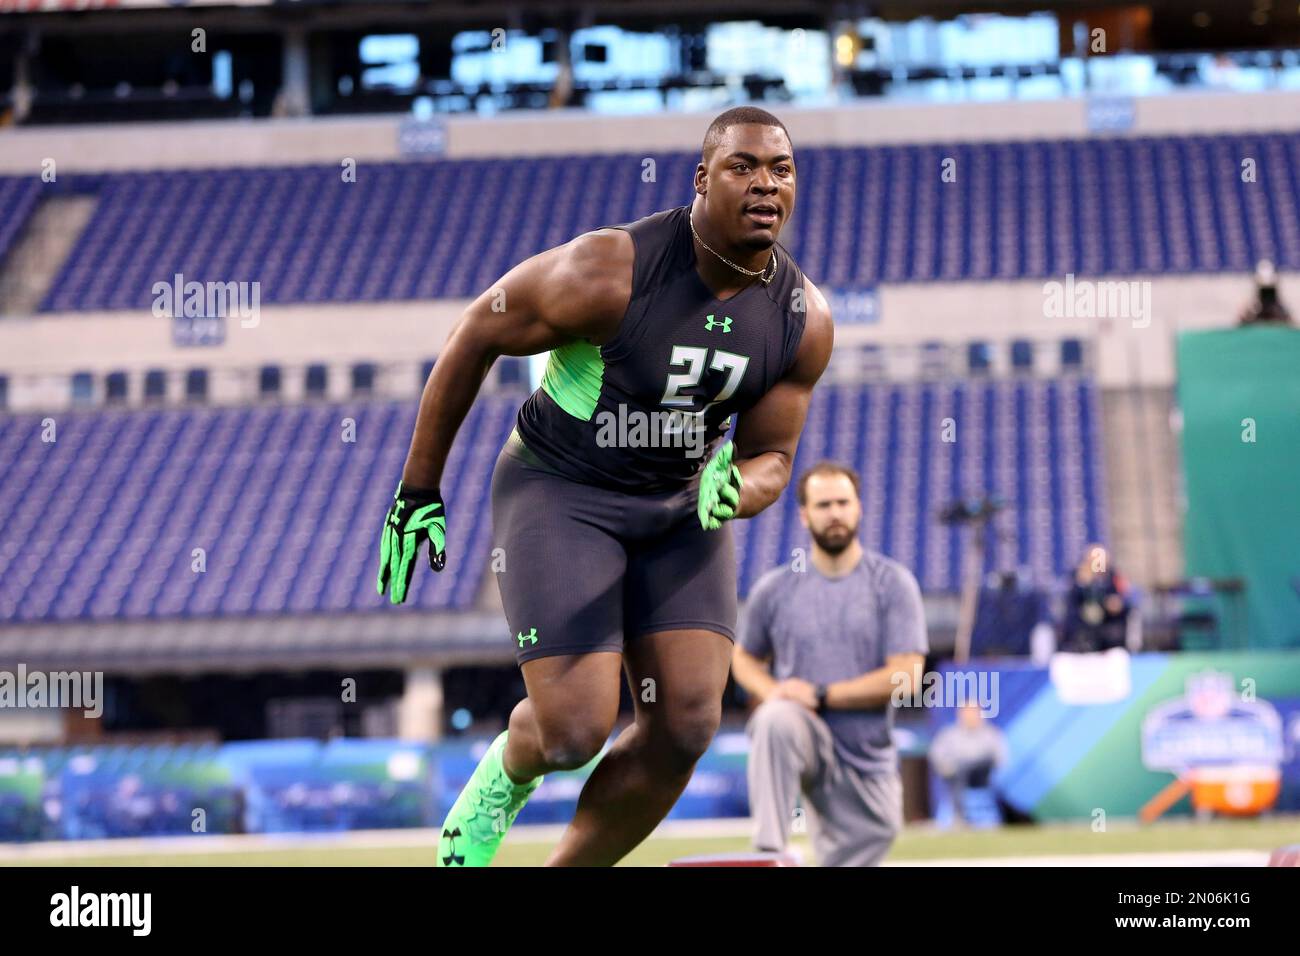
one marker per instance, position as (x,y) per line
(1032,443)
(865,215)
(104,521)
(18,198)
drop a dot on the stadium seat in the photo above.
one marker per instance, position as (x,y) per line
(363,378)
(83,388)
(268,381)
(512,371)
(155,386)
(1022,355)
(1071,354)
(316,381)
(115,388)
(196,385)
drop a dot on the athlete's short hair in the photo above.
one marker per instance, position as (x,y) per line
(737,116)
(826,468)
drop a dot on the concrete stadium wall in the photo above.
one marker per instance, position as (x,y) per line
(39,353)
(1129,350)
(227,143)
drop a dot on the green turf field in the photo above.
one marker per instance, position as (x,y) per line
(915,844)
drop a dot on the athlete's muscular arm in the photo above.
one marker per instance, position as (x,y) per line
(768,434)
(578,290)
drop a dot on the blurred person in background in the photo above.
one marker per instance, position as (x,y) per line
(823,647)
(1267,307)
(966,752)
(1097,606)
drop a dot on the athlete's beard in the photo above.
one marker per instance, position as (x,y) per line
(834,538)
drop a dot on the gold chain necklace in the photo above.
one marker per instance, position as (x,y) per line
(765,279)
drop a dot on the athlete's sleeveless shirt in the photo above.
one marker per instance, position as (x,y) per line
(627,415)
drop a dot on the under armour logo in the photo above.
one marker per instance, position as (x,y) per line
(452,858)
(710,322)
(530,636)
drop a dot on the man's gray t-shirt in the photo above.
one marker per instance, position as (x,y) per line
(824,630)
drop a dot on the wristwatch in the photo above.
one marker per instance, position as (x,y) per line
(820,690)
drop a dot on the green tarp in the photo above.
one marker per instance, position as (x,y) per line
(1239,390)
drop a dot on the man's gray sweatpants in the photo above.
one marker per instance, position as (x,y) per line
(853,816)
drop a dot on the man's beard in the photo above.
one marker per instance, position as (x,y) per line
(835,539)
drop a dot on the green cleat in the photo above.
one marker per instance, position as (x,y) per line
(483,812)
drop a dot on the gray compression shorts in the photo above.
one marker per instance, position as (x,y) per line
(585,568)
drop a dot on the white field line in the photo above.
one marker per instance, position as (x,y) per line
(353,840)
(550,833)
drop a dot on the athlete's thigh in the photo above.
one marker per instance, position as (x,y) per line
(574,691)
(561,571)
(684,579)
(687,670)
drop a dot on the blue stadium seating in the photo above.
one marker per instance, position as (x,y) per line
(103,522)
(288,513)
(115,388)
(1022,355)
(363,378)
(978,358)
(449,228)
(268,381)
(1032,443)
(1071,354)
(317,380)
(196,384)
(83,388)
(18,198)
(155,385)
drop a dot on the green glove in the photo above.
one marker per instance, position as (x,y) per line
(720,483)
(415,516)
